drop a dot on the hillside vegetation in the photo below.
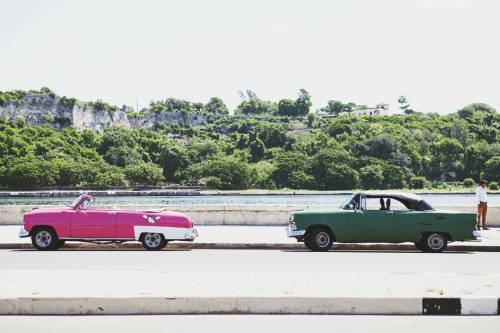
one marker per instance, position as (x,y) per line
(278,145)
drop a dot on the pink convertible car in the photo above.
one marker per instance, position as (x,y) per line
(50,228)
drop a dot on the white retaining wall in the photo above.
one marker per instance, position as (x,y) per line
(228,214)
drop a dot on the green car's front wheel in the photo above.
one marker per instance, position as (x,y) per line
(318,240)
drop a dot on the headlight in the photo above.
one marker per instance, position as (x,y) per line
(291,222)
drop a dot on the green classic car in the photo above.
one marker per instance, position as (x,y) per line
(382,218)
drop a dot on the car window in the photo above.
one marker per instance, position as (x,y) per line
(397,205)
(372,204)
(382,203)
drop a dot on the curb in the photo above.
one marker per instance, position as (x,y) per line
(255,246)
(248,305)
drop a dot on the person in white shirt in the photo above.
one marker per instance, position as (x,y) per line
(482,205)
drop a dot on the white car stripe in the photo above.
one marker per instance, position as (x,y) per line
(170,233)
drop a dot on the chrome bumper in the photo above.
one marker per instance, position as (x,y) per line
(23,233)
(291,232)
(191,234)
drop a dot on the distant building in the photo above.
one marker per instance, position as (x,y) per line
(380,109)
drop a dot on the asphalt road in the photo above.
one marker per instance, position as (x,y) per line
(249,323)
(252,261)
(233,274)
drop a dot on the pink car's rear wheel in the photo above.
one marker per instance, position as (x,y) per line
(153,241)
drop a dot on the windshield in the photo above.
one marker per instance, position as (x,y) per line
(85,204)
(75,202)
(351,203)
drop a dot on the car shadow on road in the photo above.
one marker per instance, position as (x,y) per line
(384,251)
(100,250)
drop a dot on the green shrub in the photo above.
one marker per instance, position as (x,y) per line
(103,106)
(418,182)
(30,172)
(232,173)
(213,182)
(144,173)
(493,186)
(109,178)
(469,182)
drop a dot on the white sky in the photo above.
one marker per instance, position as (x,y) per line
(442,54)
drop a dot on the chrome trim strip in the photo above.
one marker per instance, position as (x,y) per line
(23,233)
(294,233)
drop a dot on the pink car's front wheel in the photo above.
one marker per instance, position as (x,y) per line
(45,238)
(153,241)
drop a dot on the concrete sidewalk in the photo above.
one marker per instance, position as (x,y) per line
(253,237)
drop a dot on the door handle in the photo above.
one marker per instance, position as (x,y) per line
(112,213)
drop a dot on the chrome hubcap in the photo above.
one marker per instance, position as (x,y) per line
(435,241)
(43,239)
(322,239)
(152,240)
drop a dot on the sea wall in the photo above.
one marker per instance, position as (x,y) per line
(265,215)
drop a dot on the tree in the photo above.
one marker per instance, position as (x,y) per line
(252,104)
(216,105)
(109,178)
(348,108)
(332,171)
(383,147)
(290,168)
(404,106)
(448,156)
(231,173)
(257,149)
(122,156)
(116,137)
(372,177)
(491,170)
(286,107)
(469,110)
(303,103)
(172,158)
(394,176)
(333,107)
(30,172)
(261,175)
(144,173)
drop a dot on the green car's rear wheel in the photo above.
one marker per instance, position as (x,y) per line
(433,242)
(318,239)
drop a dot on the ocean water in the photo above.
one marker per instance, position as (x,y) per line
(330,199)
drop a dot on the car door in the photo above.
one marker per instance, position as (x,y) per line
(409,225)
(369,224)
(89,223)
